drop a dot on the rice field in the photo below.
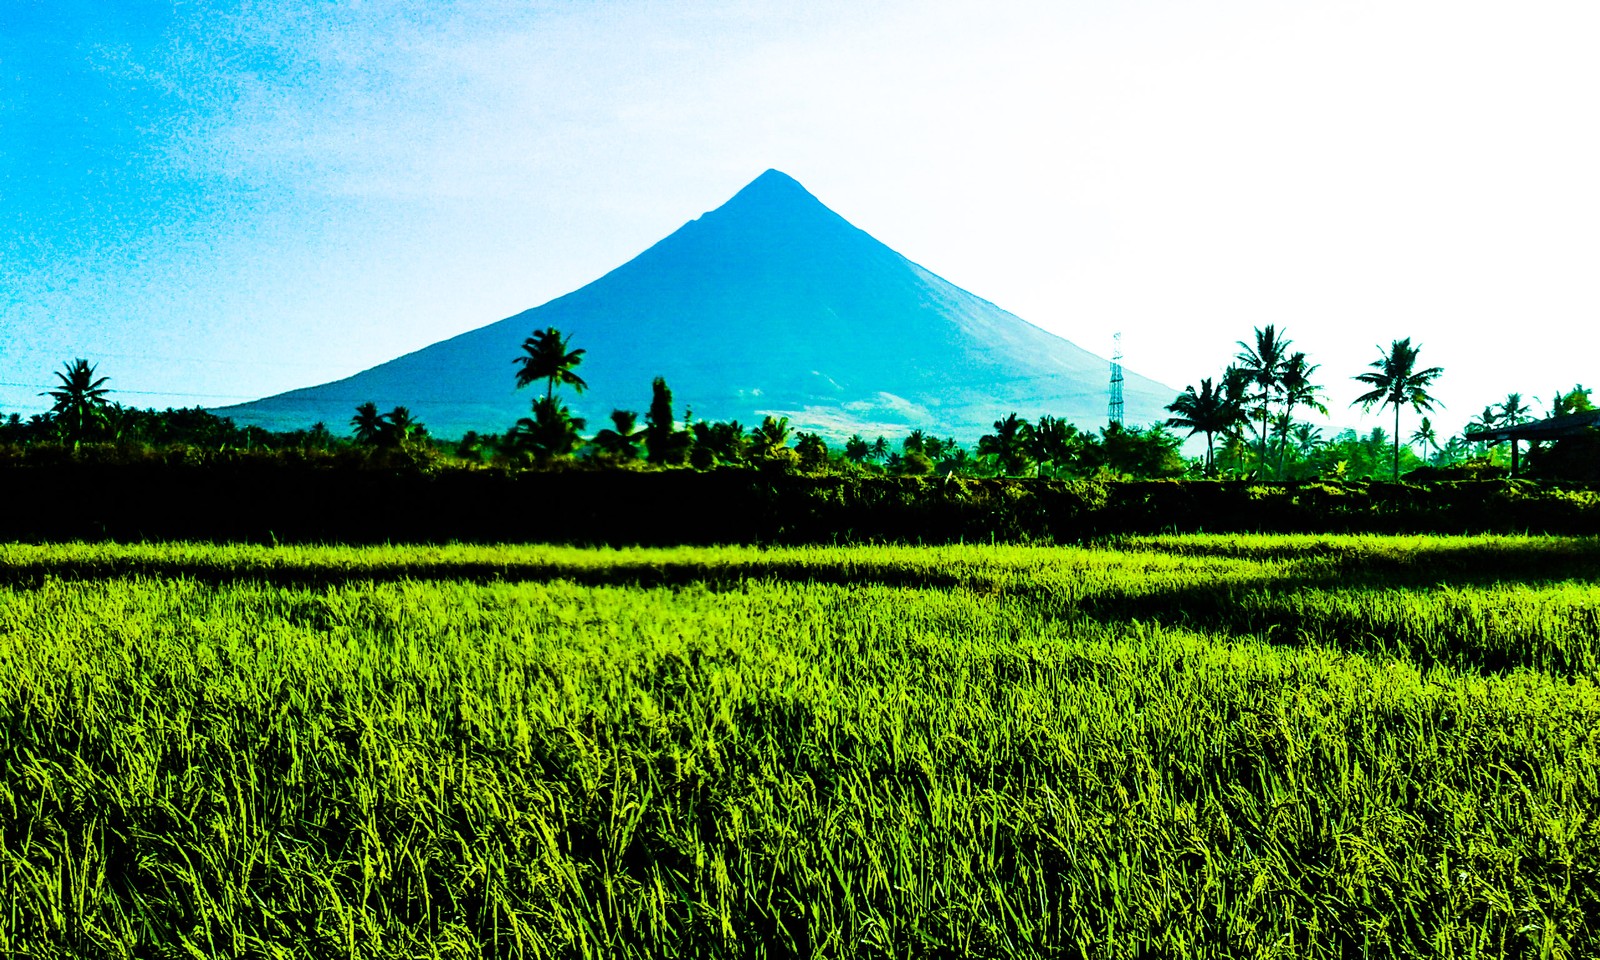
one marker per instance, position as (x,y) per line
(1170,746)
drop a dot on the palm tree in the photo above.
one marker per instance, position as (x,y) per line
(1298,391)
(1209,411)
(720,442)
(546,357)
(80,400)
(552,432)
(369,425)
(1306,438)
(1514,411)
(1427,437)
(1263,366)
(771,436)
(1008,445)
(1483,421)
(1054,441)
(401,428)
(856,449)
(1396,381)
(880,448)
(621,440)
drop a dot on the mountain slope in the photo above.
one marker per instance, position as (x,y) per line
(770,304)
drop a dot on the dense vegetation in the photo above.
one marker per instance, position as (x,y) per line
(1247,416)
(1199,746)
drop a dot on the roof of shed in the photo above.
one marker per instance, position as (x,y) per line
(1553,428)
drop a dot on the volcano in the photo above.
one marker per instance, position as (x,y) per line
(772,304)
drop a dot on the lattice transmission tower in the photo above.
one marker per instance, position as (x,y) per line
(1115,413)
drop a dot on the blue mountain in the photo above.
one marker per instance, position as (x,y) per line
(770,304)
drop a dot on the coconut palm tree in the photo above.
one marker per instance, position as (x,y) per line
(1054,441)
(719,442)
(1396,381)
(368,425)
(1307,437)
(1298,391)
(621,440)
(80,400)
(1008,445)
(401,428)
(552,432)
(1262,366)
(546,357)
(1209,411)
(1427,437)
(1513,411)
(772,436)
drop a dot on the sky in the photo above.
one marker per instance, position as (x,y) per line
(217,200)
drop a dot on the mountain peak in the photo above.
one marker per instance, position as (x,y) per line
(774,188)
(769,305)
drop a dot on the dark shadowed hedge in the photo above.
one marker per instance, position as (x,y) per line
(267,501)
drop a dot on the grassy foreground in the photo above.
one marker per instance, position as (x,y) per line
(1195,746)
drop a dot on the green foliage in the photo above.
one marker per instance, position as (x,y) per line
(1396,381)
(621,440)
(546,355)
(812,452)
(80,408)
(1202,746)
(551,434)
(769,440)
(720,443)
(1209,410)
(664,443)
(1008,446)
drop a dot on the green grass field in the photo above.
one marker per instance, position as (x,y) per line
(1196,746)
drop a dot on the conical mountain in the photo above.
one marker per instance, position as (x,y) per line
(770,304)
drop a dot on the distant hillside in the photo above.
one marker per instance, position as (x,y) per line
(770,304)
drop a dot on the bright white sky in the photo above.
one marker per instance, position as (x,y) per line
(222,200)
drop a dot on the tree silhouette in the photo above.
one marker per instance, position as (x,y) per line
(719,442)
(856,449)
(1008,445)
(664,444)
(1054,441)
(621,440)
(546,357)
(772,436)
(1298,391)
(880,448)
(368,425)
(1262,366)
(1513,411)
(1396,381)
(1209,411)
(812,451)
(400,428)
(552,432)
(80,400)
(1426,436)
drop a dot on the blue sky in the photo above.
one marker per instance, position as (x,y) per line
(222,200)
